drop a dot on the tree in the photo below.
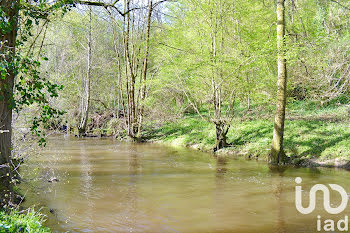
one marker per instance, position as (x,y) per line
(9,10)
(318,58)
(144,71)
(131,64)
(277,153)
(134,55)
(206,52)
(85,94)
(20,81)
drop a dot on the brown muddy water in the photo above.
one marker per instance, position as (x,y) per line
(108,186)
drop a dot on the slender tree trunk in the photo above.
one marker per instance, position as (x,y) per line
(120,93)
(130,75)
(248,97)
(85,98)
(7,51)
(277,153)
(121,103)
(249,102)
(128,69)
(145,65)
(126,44)
(119,60)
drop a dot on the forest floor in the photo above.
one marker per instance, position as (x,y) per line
(314,136)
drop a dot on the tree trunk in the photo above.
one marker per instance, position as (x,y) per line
(277,153)
(221,132)
(8,50)
(120,93)
(130,77)
(144,72)
(248,97)
(85,97)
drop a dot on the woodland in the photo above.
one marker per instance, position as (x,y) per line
(262,79)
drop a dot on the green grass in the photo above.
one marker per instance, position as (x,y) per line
(29,221)
(311,132)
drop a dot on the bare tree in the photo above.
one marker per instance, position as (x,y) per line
(145,66)
(85,94)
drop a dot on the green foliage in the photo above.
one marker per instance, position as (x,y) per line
(318,55)
(29,222)
(31,86)
(311,132)
(220,42)
(66,64)
(183,63)
(34,88)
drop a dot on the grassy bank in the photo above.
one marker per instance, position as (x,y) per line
(313,134)
(28,221)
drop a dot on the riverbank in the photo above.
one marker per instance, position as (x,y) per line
(27,221)
(314,136)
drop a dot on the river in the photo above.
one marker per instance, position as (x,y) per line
(108,186)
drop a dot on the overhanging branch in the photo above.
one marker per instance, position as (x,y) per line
(345,7)
(113,5)
(101,4)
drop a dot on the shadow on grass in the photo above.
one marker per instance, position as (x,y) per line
(302,138)
(312,138)
(191,130)
(324,118)
(253,134)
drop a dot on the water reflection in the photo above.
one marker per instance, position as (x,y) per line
(278,180)
(221,162)
(132,207)
(86,183)
(107,186)
(220,186)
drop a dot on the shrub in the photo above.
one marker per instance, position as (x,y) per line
(29,221)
